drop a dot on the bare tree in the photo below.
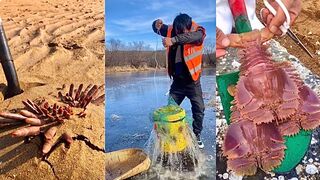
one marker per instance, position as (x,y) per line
(113,46)
(138,54)
(209,51)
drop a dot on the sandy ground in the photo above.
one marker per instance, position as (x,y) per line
(54,42)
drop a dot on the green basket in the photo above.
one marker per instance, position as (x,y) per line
(223,82)
(297,145)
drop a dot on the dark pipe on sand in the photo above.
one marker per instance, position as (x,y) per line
(8,66)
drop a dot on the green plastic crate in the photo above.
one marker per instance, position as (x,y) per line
(297,145)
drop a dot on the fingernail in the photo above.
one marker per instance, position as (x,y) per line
(273,29)
(225,42)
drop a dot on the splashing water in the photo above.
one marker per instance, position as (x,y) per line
(174,156)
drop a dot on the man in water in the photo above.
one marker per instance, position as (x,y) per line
(184,43)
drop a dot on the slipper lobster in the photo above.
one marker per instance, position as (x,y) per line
(270,101)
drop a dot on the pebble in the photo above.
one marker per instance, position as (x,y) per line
(233,176)
(225,176)
(220,175)
(311,169)
(271,174)
(220,106)
(294,178)
(299,169)
(310,160)
(313,140)
(235,64)
(274,178)
(304,161)
(218,122)
(281,177)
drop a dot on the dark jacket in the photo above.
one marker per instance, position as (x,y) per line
(177,67)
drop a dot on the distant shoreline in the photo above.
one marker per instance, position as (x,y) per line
(124,69)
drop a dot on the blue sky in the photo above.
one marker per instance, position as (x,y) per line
(131,20)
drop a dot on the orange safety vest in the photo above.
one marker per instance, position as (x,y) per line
(192,53)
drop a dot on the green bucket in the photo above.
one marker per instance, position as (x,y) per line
(297,145)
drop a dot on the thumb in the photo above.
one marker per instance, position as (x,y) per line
(220,53)
(222,41)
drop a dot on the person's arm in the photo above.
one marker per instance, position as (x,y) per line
(196,37)
(163,27)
